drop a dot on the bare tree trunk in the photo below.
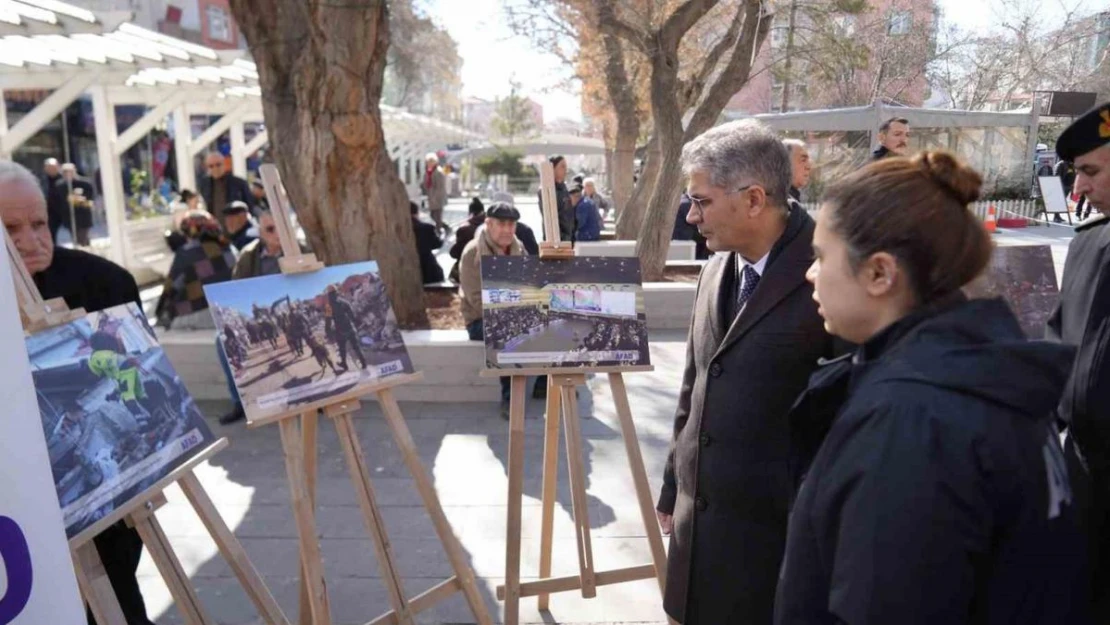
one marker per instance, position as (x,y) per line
(623,98)
(632,217)
(321,66)
(655,233)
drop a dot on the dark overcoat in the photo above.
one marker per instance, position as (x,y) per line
(939,494)
(727,479)
(1082,320)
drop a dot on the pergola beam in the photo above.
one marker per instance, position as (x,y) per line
(147,122)
(238,146)
(183,154)
(256,143)
(221,126)
(111,183)
(46,110)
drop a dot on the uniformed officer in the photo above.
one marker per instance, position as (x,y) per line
(1083,319)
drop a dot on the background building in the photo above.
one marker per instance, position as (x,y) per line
(817,57)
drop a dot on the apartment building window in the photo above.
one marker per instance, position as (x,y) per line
(779,36)
(900,22)
(219,23)
(845,25)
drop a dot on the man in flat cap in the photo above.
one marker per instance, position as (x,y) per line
(496,238)
(1082,319)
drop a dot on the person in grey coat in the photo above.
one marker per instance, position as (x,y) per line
(754,340)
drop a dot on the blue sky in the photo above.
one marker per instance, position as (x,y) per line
(242,294)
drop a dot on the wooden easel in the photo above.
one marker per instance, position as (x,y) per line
(298,442)
(563,383)
(38,315)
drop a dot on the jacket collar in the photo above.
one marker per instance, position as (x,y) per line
(486,246)
(785,273)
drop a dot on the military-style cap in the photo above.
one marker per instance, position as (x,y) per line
(503,211)
(1085,134)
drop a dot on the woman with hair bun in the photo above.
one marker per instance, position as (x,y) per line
(938,491)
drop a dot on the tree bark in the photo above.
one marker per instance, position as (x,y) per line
(321,67)
(623,99)
(628,225)
(655,233)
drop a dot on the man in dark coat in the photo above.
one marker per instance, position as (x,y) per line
(1082,319)
(427,243)
(894,138)
(74,195)
(51,174)
(220,188)
(465,233)
(755,338)
(237,220)
(83,281)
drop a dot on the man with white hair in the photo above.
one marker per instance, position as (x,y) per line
(435,189)
(800,166)
(755,338)
(86,281)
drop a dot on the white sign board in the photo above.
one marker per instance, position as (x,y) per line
(37,585)
(1052,191)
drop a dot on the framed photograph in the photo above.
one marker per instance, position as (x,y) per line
(115,414)
(580,312)
(1024,276)
(298,341)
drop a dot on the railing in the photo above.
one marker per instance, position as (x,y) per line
(1003,208)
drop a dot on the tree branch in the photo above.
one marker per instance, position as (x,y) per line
(736,72)
(683,19)
(609,23)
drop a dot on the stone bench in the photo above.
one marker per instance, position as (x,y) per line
(679,250)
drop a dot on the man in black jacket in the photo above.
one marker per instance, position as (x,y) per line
(74,195)
(220,188)
(427,243)
(1082,319)
(894,138)
(83,281)
(754,340)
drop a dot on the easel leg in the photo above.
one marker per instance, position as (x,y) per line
(576,460)
(308,439)
(95,586)
(550,484)
(639,478)
(232,551)
(311,561)
(364,491)
(170,567)
(516,496)
(463,572)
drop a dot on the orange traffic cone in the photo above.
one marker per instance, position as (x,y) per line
(991,223)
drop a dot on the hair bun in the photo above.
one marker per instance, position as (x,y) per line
(962,182)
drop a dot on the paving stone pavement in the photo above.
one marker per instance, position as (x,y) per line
(464,448)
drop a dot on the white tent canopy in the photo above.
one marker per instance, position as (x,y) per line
(50,45)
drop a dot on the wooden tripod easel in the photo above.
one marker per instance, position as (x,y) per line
(562,401)
(298,439)
(38,315)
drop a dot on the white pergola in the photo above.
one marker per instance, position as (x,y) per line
(47,44)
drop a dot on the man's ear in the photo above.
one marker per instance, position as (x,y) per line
(757,200)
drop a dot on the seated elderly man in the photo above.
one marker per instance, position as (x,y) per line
(496,238)
(83,281)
